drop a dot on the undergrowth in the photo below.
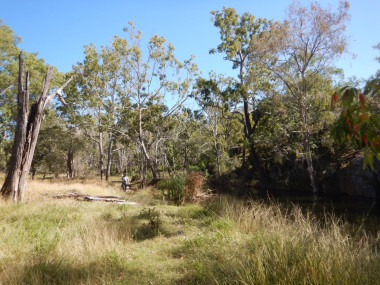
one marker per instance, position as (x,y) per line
(182,188)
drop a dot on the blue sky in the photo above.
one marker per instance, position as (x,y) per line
(58,30)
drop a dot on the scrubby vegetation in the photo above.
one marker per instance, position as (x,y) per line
(182,188)
(50,241)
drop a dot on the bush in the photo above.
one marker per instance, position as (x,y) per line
(174,186)
(181,188)
(154,226)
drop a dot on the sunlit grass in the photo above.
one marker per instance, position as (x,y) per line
(64,241)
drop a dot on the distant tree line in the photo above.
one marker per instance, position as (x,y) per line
(127,105)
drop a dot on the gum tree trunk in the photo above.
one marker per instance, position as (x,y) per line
(70,163)
(26,134)
(109,156)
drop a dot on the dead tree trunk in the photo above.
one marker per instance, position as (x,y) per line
(26,134)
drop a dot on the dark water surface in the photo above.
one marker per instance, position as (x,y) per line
(358,211)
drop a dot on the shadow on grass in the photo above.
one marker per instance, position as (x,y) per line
(110,269)
(146,225)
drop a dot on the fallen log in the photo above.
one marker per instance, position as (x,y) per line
(109,197)
(136,184)
(85,197)
(96,198)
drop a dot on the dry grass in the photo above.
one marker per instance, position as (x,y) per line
(193,186)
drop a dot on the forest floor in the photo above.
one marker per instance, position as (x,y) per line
(65,241)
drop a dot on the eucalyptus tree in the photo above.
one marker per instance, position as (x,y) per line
(100,96)
(214,96)
(299,49)
(150,80)
(237,33)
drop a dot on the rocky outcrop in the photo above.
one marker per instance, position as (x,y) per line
(353,180)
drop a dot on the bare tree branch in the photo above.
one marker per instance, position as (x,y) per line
(58,92)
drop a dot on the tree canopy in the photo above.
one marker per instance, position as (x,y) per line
(135,107)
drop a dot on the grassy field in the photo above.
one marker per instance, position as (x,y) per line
(63,241)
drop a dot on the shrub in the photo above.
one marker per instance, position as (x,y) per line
(181,188)
(174,186)
(154,226)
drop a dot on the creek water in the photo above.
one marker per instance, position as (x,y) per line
(358,211)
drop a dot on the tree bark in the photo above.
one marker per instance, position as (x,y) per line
(70,163)
(109,156)
(257,163)
(143,148)
(11,183)
(149,161)
(26,134)
(101,155)
(250,132)
(306,148)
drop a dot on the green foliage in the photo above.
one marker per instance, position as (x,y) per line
(173,186)
(9,68)
(154,224)
(182,188)
(236,32)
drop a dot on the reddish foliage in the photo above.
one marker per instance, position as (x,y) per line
(362,100)
(365,139)
(334,98)
(363,117)
(348,122)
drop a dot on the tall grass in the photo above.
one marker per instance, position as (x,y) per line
(49,241)
(267,245)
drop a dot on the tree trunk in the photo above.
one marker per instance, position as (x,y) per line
(101,155)
(109,156)
(306,148)
(11,183)
(26,134)
(250,131)
(70,163)
(257,163)
(148,159)
(184,166)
